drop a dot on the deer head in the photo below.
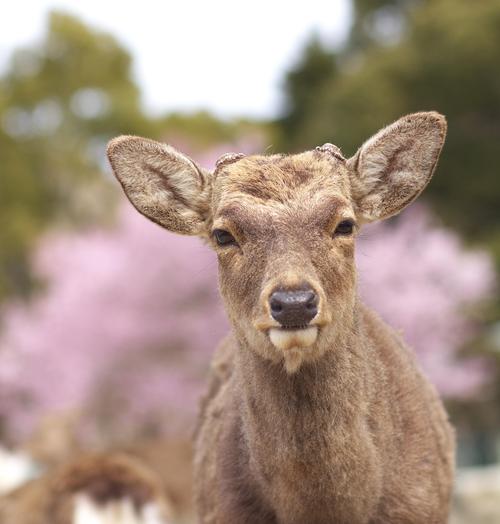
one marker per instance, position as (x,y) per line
(283,226)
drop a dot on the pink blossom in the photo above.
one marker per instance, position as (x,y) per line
(421,280)
(112,294)
(131,314)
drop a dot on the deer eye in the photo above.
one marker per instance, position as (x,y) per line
(344,228)
(223,238)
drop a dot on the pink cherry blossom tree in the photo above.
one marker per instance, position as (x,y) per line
(420,278)
(132,306)
(130,314)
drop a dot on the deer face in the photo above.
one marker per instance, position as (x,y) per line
(283,227)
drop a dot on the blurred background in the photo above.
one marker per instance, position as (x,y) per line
(96,349)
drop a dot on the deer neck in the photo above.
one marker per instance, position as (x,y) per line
(299,429)
(290,411)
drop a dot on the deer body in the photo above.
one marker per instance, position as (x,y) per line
(316,411)
(338,442)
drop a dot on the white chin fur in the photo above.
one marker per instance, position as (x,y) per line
(293,343)
(288,339)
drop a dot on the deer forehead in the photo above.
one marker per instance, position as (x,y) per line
(281,182)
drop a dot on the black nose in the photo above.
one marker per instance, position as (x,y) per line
(294,308)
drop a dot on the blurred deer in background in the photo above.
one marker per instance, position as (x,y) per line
(316,411)
(55,481)
(101,489)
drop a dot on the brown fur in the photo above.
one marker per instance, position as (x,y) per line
(344,429)
(55,442)
(104,478)
(171,460)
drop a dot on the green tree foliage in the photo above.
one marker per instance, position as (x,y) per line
(202,131)
(302,84)
(59,103)
(378,22)
(447,59)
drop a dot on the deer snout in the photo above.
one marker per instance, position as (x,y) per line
(293,309)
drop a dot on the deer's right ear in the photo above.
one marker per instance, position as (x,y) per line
(162,184)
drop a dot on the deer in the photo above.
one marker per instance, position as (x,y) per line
(98,488)
(316,412)
(56,477)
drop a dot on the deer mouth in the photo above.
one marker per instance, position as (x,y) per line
(294,328)
(290,337)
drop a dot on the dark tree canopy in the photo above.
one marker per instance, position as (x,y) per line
(59,103)
(302,84)
(446,59)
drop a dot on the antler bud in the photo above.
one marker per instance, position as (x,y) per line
(228,158)
(332,150)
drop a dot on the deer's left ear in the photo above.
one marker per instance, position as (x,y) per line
(393,167)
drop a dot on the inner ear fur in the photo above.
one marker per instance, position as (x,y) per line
(393,167)
(161,183)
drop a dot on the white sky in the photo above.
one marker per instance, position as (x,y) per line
(228,56)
